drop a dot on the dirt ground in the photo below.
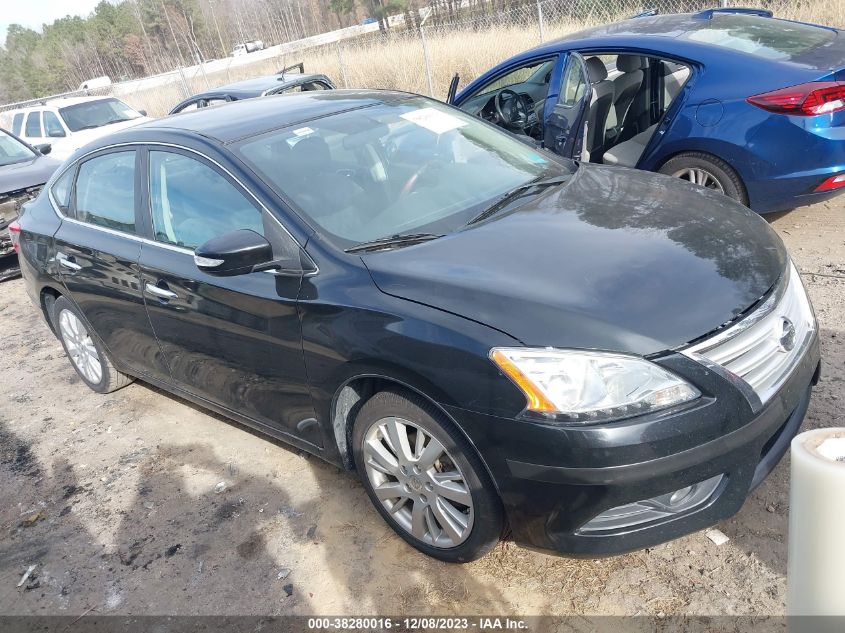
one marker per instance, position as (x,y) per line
(114,499)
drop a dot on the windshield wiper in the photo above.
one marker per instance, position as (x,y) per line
(392,241)
(514,194)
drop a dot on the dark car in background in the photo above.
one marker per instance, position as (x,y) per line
(713,97)
(282,82)
(23,171)
(491,335)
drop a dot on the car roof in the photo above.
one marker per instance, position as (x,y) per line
(250,117)
(257,85)
(59,102)
(665,30)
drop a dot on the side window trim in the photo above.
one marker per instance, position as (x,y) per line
(305,234)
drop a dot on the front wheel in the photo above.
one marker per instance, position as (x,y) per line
(425,479)
(707,171)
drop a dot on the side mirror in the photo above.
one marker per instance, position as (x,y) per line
(239,253)
(44,148)
(142,112)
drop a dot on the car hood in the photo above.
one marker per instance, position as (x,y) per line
(616,259)
(27,173)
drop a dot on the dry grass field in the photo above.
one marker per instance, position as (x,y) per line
(398,60)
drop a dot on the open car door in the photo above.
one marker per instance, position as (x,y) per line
(565,124)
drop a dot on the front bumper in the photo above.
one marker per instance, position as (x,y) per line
(554,479)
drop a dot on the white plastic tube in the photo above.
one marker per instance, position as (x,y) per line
(816,567)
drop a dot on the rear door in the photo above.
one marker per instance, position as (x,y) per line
(234,341)
(97,249)
(566,119)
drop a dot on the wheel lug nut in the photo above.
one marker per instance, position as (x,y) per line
(428,486)
(417,470)
(403,470)
(423,499)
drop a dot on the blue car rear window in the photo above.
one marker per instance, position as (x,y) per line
(763,37)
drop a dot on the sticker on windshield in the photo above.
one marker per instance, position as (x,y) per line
(433,119)
(303,131)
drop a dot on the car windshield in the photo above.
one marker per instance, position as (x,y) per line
(91,114)
(13,151)
(410,166)
(763,37)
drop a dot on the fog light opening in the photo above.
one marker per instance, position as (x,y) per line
(665,505)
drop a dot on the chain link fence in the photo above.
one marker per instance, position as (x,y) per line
(420,53)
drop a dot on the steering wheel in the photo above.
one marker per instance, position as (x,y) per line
(511,109)
(409,185)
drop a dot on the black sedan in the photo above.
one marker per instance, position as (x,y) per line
(283,82)
(23,171)
(601,359)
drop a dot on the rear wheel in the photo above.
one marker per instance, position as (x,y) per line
(85,352)
(425,479)
(707,171)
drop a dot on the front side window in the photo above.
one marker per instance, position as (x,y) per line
(409,165)
(33,124)
(193,203)
(91,114)
(105,191)
(538,73)
(574,84)
(52,127)
(12,150)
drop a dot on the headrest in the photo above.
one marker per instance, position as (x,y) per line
(630,63)
(596,69)
(312,152)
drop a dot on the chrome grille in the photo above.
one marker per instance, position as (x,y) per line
(764,348)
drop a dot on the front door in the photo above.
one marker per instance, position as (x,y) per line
(234,341)
(566,119)
(97,250)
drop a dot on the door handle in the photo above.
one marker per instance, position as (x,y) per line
(67,262)
(161,293)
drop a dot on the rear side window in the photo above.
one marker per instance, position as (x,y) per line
(17,124)
(105,191)
(52,127)
(33,124)
(193,203)
(763,37)
(61,190)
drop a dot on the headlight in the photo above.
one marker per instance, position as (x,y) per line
(587,386)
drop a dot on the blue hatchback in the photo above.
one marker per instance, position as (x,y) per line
(730,99)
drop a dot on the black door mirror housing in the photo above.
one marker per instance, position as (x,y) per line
(44,148)
(236,253)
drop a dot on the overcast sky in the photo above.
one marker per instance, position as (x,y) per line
(34,13)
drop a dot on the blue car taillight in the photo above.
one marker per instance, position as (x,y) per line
(809,99)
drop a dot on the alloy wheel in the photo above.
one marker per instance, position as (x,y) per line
(701,177)
(418,483)
(80,347)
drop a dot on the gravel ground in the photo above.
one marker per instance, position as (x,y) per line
(115,499)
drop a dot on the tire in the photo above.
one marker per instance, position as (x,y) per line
(72,329)
(721,176)
(478,526)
